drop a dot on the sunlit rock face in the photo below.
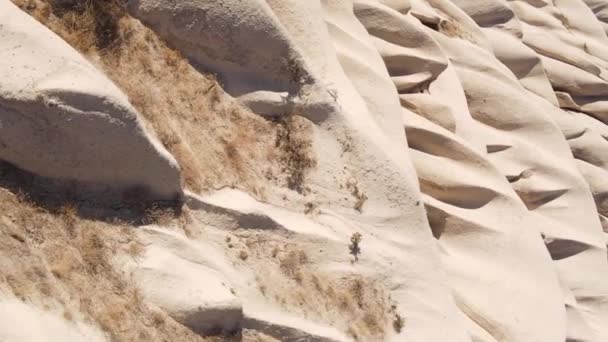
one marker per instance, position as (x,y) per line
(466,141)
(62,119)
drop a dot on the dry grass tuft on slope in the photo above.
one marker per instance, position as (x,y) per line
(64,259)
(288,276)
(216,142)
(60,262)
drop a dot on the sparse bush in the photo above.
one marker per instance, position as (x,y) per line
(360,197)
(309,207)
(296,150)
(216,142)
(229,242)
(302,257)
(371,322)
(94,252)
(358,292)
(298,277)
(136,249)
(291,264)
(65,259)
(317,283)
(293,67)
(398,323)
(354,247)
(103,16)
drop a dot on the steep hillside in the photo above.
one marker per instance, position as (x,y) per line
(286,170)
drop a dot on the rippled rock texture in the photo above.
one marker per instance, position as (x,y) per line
(442,167)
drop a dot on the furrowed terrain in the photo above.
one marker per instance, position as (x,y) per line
(288,170)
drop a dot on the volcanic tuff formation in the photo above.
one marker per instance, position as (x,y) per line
(371,170)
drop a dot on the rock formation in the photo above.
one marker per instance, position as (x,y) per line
(349,170)
(64,120)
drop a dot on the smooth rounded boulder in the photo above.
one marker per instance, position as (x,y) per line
(65,122)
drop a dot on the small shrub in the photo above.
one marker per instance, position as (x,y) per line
(371,322)
(295,146)
(360,197)
(357,290)
(94,251)
(317,283)
(302,257)
(398,323)
(158,318)
(229,242)
(136,249)
(297,73)
(298,277)
(354,247)
(309,208)
(290,264)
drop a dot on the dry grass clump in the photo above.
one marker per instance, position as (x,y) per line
(452,28)
(62,262)
(398,323)
(292,263)
(293,140)
(288,276)
(256,336)
(216,142)
(102,16)
(90,24)
(64,198)
(359,196)
(355,245)
(361,304)
(243,255)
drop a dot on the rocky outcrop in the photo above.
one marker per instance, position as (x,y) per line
(64,121)
(451,171)
(173,275)
(41,325)
(476,84)
(360,129)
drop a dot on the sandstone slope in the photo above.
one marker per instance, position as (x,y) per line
(370,170)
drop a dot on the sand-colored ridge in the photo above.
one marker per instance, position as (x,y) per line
(349,170)
(77,122)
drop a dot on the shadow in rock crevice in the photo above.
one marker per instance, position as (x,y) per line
(90,200)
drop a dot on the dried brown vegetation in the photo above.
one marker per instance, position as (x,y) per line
(65,196)
(398,323)
(354,304)
(293,140)
(59,261)
(216,142)
(355,245)
(359,196)
(292,263)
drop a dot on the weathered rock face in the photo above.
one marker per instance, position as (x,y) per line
(41,325)
(63,120)
(465,141)
(488,135)
(335,57)
(175,277)
(266,76)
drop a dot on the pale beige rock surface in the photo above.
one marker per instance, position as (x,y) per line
(464,140)
(21,322)
(62,119)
